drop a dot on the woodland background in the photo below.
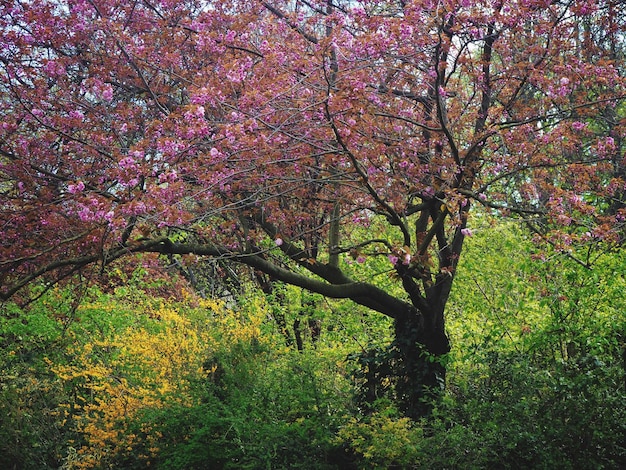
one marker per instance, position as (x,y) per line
(145,373)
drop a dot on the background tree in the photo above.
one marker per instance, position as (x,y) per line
(267,132)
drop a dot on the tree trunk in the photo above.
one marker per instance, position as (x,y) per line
(419,345)
(410,372)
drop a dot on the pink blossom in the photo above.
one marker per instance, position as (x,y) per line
(564,219)
(467,232)
(54,68)
(407,259)
(278,241)
(575,199)
(610,142)
(360,259)
(107,92)
(127,163)
(406,31)
(578,126)
(50,67)
(169,147)
(76,188)
(393,259)
(196,112)
(85,214)
(77,115)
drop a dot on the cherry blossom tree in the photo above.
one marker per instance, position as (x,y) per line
(272,133)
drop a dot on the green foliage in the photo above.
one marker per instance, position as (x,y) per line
(521,416)
(127,379)
(383,439)
(32,436)
(222,434)
(537,375)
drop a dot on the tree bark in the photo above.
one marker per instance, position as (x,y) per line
(411,371)
(419,345)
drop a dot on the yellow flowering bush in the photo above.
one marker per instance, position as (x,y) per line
(149,363)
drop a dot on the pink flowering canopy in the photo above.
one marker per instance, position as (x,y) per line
(274,132)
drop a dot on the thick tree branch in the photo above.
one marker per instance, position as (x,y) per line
(437,224)
(78,263)
(362,293)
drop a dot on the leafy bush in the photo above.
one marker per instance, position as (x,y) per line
(32,433)
(258,409)
(537,373)
(383,440)
(521,416)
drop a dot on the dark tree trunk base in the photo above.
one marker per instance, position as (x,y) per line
(410,372)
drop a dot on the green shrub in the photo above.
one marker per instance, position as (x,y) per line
(382,440)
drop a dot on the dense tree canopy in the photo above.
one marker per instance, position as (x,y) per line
(269,132)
